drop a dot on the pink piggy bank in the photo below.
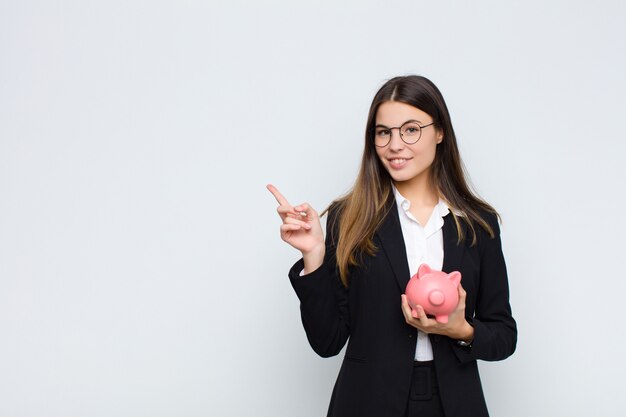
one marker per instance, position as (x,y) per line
(436,291)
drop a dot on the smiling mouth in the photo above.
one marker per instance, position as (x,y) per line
(398,163)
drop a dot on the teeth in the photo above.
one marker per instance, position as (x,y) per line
(398,161)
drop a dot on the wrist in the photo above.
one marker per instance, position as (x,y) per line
(465,333)
(313,259)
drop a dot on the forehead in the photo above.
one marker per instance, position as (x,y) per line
(394,113)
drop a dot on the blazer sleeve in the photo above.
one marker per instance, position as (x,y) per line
(495,330)
(323,298)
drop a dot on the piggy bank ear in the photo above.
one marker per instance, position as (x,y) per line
(455,277)
(423,270)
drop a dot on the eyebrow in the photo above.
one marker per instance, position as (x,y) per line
(410,120)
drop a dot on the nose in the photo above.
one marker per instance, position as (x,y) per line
(395,141)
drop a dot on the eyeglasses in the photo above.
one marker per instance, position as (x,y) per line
(410,133)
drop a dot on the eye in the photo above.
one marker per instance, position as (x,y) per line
(382,132)
(411,129)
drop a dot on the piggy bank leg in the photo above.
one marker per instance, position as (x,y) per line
(442,319)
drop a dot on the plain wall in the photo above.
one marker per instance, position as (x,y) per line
(141,268)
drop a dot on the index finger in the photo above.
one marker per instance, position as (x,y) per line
(277,195)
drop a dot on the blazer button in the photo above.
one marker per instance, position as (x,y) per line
(410,336)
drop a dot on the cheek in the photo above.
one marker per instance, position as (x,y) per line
(423,152)
(426,151)
(424,157)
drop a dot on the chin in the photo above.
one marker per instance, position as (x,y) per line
(408,176)
(403,178)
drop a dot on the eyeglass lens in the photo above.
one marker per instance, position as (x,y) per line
(410,133)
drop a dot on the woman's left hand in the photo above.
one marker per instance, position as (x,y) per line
(456,328)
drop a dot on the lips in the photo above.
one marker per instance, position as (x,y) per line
(398,163)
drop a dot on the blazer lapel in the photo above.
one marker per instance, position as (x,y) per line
(452,253)
(390,234)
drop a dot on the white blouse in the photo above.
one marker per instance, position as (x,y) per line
(424,244)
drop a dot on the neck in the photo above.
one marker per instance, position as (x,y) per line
(419,191)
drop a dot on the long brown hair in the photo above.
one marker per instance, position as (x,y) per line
(362,210)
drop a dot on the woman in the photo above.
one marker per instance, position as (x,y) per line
(410,204)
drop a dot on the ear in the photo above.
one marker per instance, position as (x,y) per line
(423,270)
(455,277)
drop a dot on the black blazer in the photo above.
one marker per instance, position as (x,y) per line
(375,375)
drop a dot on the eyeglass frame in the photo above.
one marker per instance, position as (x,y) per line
(400,132)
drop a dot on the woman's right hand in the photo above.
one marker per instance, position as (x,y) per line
(301,228)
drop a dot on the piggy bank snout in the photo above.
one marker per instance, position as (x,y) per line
(436,297)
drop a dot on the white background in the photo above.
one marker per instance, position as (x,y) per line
(141,269)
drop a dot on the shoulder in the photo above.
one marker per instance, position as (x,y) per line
(484,223)
(333,216)
(488,233)
(333,211)
(334,208)
(491,218)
